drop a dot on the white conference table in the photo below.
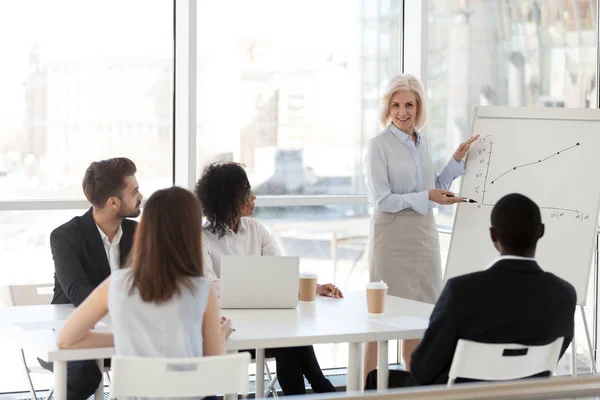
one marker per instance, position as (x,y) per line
(327,320)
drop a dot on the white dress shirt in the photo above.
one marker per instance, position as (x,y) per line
(113,253)
(251,239)
(400,173)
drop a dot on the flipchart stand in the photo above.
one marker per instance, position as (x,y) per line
(591,346)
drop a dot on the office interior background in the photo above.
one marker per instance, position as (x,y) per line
(290,89)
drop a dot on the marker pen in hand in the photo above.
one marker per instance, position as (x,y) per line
(467,200)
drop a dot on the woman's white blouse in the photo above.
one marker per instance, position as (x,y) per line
(251,239)
(400,173)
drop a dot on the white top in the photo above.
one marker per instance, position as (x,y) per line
(251,239)
(171,329)
(113,252)
(400,173)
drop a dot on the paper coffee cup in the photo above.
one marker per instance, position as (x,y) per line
(307,286)
(376,292)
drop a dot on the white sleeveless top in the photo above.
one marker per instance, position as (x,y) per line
(171,329)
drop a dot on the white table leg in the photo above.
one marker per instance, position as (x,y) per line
(260,373)
(99,395)
(353,377)
(361,367)
(60,380)
(382,365)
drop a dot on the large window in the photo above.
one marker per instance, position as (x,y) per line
(506,53)
(293,93)
(82,81)
(78,85)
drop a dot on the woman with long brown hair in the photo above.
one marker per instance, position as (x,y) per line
(162,306)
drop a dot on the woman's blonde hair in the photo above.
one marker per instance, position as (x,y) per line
(405,82)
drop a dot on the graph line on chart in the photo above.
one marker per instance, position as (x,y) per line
(531,163)
(556,211)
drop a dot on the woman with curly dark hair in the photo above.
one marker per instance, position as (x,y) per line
(225,194)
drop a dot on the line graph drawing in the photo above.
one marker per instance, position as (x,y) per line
(532,163)
(486,158)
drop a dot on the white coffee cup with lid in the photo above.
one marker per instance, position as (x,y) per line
(307,287)
(376,292)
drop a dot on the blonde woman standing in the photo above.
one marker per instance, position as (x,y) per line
(403,187)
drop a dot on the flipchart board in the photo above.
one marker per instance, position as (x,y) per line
(550,155)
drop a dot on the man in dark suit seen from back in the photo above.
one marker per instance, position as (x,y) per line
(87,248)
(512,301)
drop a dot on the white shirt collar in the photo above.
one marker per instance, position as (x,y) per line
(242,228)
(116,239)
(403,135)
(508,257)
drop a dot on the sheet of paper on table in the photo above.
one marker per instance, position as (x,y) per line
(404,322)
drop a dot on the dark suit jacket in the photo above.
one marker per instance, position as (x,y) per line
(80,262)
(514,301)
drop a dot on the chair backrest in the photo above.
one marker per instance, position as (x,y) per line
(31,295)
(179,377)
(498,362)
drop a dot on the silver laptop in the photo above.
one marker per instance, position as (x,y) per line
(259,282)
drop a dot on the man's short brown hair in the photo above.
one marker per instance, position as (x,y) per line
(106,178)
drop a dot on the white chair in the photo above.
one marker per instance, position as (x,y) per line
(499,362)
(34,295)
(180,377)
(31,295)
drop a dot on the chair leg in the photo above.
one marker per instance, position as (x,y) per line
(272,381)
(271,389)
(50,393)
(29,381)
(107,377)
(268,388)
